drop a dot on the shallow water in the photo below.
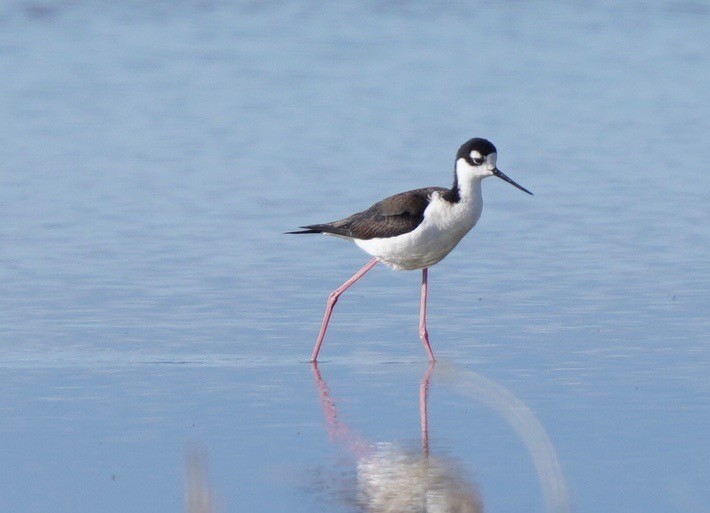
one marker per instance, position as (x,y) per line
(153,156)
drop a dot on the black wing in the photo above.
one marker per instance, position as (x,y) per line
(390,217)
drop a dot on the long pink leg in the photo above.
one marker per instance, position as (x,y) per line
(423,333)
(332,299)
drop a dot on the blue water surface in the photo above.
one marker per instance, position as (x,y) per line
(150,306)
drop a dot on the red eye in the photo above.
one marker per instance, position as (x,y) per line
(477,161)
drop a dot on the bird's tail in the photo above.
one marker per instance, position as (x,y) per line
(308,229)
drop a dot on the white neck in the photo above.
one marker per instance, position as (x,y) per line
(469,184)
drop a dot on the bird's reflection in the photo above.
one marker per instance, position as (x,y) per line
(393,479)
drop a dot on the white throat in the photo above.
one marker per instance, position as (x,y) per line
(469,182)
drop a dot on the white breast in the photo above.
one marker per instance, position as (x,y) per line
(444,225)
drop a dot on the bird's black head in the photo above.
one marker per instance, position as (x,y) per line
(479,157)
(483,146)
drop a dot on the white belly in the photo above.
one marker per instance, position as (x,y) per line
(444,225)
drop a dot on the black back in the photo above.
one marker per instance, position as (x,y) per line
(396,215)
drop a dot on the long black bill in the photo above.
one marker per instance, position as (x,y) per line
(503,176)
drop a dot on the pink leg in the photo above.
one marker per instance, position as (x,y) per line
(332,299)
(423,397)
(423,334)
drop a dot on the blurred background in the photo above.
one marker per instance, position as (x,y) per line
(152,154)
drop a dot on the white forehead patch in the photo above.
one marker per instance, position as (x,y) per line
(475,154)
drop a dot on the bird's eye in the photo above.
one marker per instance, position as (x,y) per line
(477,160)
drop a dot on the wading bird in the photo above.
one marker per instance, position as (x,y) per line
(416,229)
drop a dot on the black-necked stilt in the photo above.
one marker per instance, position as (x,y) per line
(418,228)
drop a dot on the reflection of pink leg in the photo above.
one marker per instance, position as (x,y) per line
(423,334)
(332,299)
(337,431)
(423,397)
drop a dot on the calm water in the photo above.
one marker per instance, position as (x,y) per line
(152,156)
